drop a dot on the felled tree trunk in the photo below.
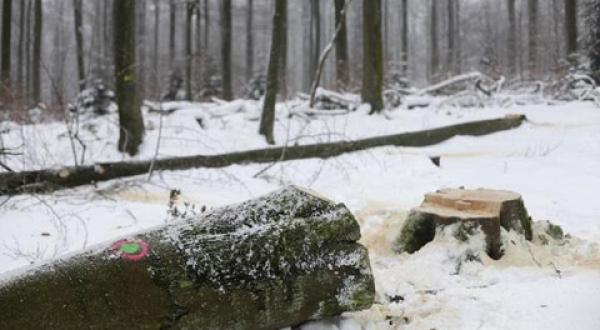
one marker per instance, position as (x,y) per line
(267,263)
(47,180)
(488,210)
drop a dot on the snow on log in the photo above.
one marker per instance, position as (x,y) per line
(267,263)
(52,179)
(488,210)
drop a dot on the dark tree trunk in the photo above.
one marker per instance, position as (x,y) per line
(571,25)
(206,24)
(532,11)
(283,55)
(188,50)
(250,40)
(315,39)
(172,32)
(37,51)
(21,46)
(593,41)
(141,50)
(28,80)
(404,38)
(52,179)
(6,44)
(451,60)
(156,55)
(226,48)
(342,67)
(77,14)
(130,115)
(434,43)
(267,120)
(512,50)
(372,87)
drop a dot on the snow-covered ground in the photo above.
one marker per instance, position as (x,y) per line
(553,161)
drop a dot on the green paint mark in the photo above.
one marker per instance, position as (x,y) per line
(130,248)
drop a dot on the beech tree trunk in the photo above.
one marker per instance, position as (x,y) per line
(571,26)
(404,38)
(342,67)
(189,16)
(593,46)
(532,11)
(372,86)
(226,48)
(77,14)
(6,44)
(52,179)
(130,115)
(250,40)
(267,120)
(268,263)
(512,51)
(37,51)
(434,43)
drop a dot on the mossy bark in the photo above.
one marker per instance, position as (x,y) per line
(272,262)
(131,122)
(372,88)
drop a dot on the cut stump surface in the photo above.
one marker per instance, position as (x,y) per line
(487,209)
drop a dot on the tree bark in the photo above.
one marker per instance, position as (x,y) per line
(372,87)
(172,32)
(156,55)
(283,88)
(130,115)
(77,14)
(342,67)
(532,11)
(226,48)
(141,49)
(268,263)
(404,39)
(250,40)
(47,180)
(315,39)
(434,44)
(593,46)
(571,26)
(20,48)
(37,51)
(512,50)
(6,45)
(267,120)
(451,60)
(188,50)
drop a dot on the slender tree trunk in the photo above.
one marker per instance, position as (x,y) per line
(21,46)
(77,14)
(315,38)
(451,68)
(250,40)
(6,43)
(342,67)
(458,38)
(372,89)
(142,42)
(533,37)
(283,88)
(28,79)
(206,25)
(156,55)
(130,115)
(267,120)
(593,28)
(226,48)
(188,50)
(571,25)
(37,50)
(433,39)
(512,38)
(172,32)
(404,38)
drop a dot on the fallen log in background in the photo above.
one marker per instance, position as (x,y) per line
(48,180)
(268,263)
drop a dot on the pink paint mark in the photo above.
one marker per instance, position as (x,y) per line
(123,248)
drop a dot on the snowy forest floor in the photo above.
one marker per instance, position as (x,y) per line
(553,161)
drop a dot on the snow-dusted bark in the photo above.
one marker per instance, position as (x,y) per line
(267,263)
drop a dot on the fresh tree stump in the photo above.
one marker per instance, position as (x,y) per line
(487,209)
(267,263)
